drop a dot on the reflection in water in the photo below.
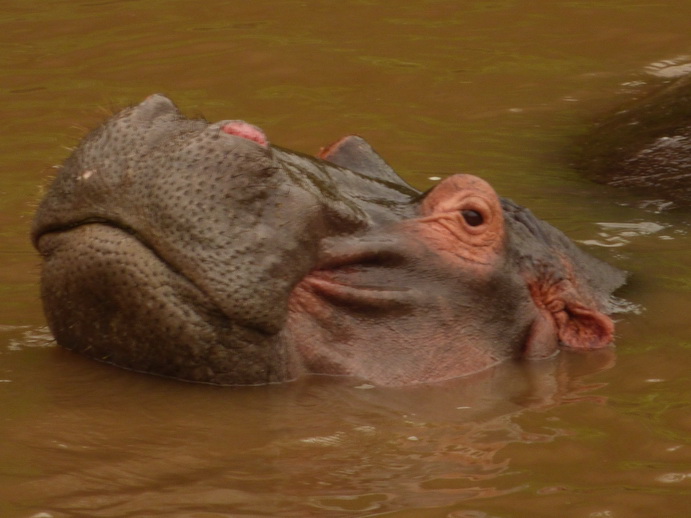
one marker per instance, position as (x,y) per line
(439,87)
(620,234)
(29,337)
(670,68)
(311,448)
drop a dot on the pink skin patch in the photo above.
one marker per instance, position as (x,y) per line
(247,131)
(332,149)
(462,219)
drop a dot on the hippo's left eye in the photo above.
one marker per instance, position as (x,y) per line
(472,217)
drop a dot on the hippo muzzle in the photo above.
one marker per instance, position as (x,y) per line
(202,252)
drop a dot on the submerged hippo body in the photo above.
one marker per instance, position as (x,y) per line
(200,251)
(645,146)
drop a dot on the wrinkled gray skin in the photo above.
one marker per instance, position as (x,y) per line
(645,145)
(199,251)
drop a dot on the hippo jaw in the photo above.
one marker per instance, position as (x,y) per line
(198,251)
(127,307)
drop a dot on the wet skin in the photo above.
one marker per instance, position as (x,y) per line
(202,252)
(645,146)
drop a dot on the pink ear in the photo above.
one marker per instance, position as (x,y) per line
(581,327)
(576,322)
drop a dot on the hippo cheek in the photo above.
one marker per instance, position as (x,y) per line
(100,282)
(390,326)
(426,299)
(414,320)
(441,295)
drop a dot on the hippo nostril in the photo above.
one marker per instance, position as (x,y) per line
(472,217)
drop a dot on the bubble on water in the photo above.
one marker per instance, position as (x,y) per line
(7,328)
(468,514)
(614,234)
(606,513)
(633,84)
(656,206)
(39,337)
(551,490)
(619,305)
(327,440)
(673,478)
(642,228)
(670,68)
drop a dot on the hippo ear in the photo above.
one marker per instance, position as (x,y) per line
(355,153)
(564,315)
(571,289)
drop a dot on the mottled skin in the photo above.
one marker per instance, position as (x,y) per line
(645,145)
(200,251)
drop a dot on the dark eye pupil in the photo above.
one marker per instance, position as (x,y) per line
(472,217)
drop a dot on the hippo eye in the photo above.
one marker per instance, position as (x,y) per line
(472,217)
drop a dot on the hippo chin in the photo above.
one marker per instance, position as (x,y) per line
(199,251)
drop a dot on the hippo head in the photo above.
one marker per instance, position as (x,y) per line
(200,251)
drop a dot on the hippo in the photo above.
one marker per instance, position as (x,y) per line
(200,251)
(645,145)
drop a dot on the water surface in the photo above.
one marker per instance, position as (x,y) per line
(494,88)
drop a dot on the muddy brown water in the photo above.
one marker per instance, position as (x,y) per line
(494,88)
